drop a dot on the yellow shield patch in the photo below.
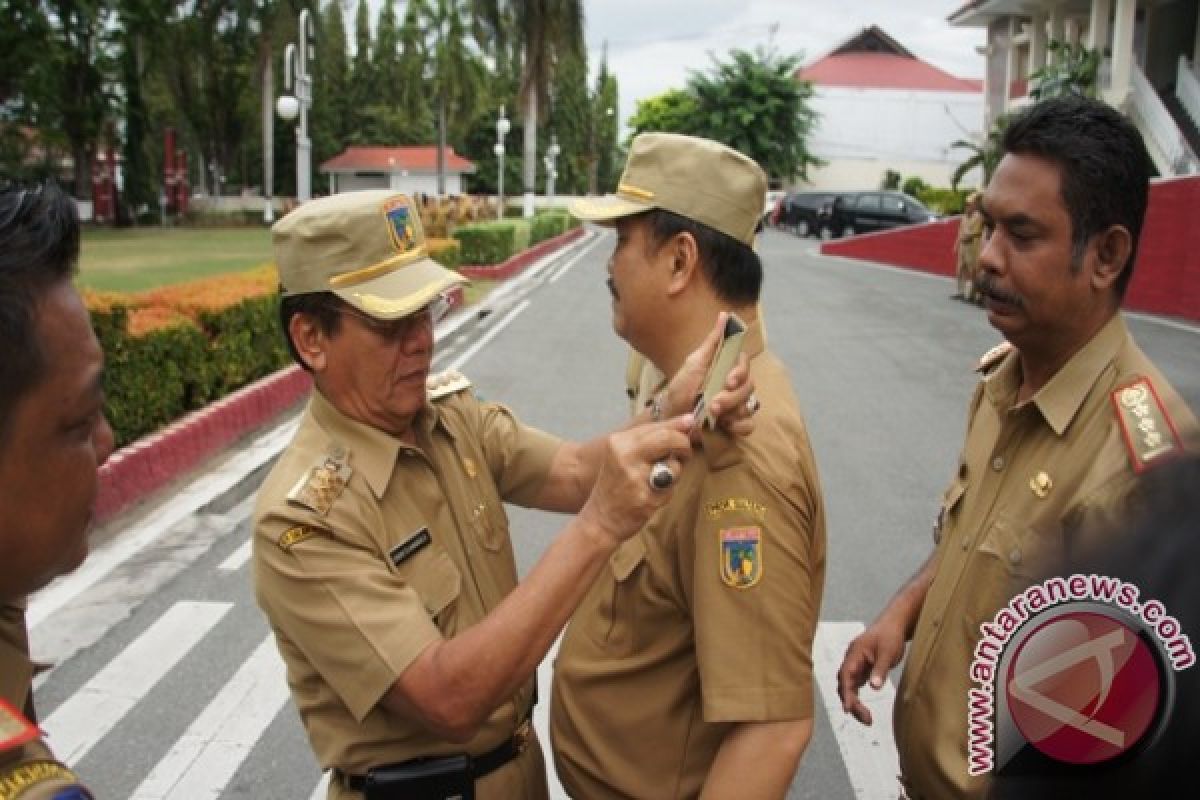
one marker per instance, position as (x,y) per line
(741,556)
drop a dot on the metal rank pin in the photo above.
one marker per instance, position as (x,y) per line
(1041,484)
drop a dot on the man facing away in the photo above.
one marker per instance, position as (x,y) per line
(687,670)
(1069,413)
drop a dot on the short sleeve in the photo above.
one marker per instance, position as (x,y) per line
(332,596)
(757,584)
(518,456)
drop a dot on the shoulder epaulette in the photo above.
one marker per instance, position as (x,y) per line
(318,488)
(989,360)
(446,383)
(1149,433)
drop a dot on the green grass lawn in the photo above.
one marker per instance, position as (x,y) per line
(144,258)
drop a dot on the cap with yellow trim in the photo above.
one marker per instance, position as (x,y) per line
(696,178)
(366,247)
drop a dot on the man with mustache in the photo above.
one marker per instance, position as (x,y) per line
(1068,414)
(53,437)
(382,555)
(687,670)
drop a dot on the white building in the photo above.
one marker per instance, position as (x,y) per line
(882,108)
(1150,68)
(410,170)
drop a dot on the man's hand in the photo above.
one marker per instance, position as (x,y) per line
(873,653)
(731,407)
(622,499)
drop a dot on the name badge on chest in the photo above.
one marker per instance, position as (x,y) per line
(416,541)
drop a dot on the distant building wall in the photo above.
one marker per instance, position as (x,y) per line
(862,133)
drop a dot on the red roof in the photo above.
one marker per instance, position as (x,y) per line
(393,159)
(883,71)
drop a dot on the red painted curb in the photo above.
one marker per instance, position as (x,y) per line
(506,269)
(150,463)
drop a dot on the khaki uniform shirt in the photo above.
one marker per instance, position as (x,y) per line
(366,551)
(705,619)
(27,768)
(1037,485)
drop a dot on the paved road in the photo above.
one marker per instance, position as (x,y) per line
(175,690)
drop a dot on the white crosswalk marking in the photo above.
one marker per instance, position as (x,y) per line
(87,717)
(869,752)
(322,788)
(237,558)
(203,760)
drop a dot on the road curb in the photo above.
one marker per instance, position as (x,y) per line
(137,471)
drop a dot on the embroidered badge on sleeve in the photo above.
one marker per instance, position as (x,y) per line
(741,556)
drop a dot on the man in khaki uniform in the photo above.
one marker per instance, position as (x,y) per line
(966,248)
(53,437)
(1068,414)
(381,549)
(688,667)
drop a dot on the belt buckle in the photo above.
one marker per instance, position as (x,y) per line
(521,737)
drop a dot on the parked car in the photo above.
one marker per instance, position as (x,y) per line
(864,212)
(800,212)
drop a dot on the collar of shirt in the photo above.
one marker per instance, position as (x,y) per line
(1062,397)
(16,668)
(374,452)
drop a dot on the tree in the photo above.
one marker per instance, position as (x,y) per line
(412,101)
(984,156)
(362,82)
(604,112)
(754,104)
(456,75)
(332,114)
(1072,69)
(571,121)
(673,111)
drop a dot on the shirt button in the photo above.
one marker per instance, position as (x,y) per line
(998,463)
(965,545)
(1014,557)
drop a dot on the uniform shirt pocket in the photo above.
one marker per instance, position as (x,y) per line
(618,607)
(1012,556)
(437,581)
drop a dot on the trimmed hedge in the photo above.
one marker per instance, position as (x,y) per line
(486,243)
(447,252)
(152,379)
(548,224)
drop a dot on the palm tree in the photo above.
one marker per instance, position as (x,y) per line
(456,75)
(986,156)
(547,30)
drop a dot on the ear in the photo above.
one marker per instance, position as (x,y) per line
(1111,252)
(685,262)
(309,340)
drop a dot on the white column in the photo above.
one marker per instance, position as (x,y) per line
(1098,24)
(1012,62)
(1122,51)
(1037,43)
(1057,25)
(1071,30)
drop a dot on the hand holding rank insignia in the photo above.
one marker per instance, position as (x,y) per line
(324,483)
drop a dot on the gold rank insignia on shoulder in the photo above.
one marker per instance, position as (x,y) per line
(324,483)
(991,358)
(1148,431)
(15,730)
(718,508)
(18,780)
(741,556)
(295,535)
(446,383)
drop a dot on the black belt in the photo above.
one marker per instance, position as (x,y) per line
(482,765)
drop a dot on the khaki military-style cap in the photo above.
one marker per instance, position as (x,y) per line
(366,247)
(696,178)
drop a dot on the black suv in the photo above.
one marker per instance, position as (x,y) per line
(863,212)
(801,211)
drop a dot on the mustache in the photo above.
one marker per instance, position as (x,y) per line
(985,284)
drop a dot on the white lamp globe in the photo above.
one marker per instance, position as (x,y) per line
(287,107)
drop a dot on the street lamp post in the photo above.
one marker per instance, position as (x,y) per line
(502,128)
(295,71)
(552,153)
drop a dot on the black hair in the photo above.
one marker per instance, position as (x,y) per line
(732,267)
(1103,167)
(39,248)
(325,309)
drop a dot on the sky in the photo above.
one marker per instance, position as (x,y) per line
(653,44)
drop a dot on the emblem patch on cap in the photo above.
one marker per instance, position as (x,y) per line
(400,224)
(741,556)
